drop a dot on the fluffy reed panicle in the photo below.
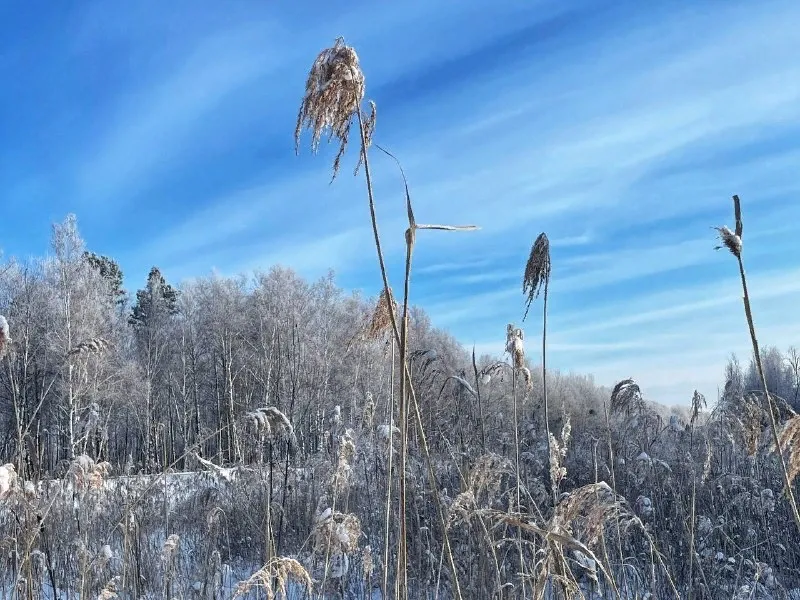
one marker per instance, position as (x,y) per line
(85,473)
(789,442)
(732,240)
(626,397)
(516,348)
(8,480)
(271,423)
(273,578)
(558,452)
(335,536)
(537,270)
(483,487)
(587,510)
(729,240)
(5,336)
(109,591)
(334,92)
(94,345)
(340,478)
(698,404)
(381,317)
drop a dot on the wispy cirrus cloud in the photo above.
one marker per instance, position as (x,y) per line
(619,129)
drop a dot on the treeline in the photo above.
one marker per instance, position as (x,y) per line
(145,380)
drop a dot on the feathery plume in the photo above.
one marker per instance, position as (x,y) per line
(789,441)
(270,422)
(334,91)
(8,477)
(92,345)
(5,336)
(537,270)
(626,397)
(729,240)
(381,316)
(275,574)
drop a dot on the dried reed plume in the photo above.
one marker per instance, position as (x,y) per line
(92,345)
(271,423)
(85,473)
(789,442)
(577,524)
(8,479)
(334,92)
(516,348)
(626,397)
(537,271)
(558,452)
(273,578)
(698,404)
(382,315)
(730,239)
(5,336)
(335,536)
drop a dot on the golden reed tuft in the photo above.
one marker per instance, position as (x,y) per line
(334,92)
(537,270)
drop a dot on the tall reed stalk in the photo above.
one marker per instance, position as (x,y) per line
(334,92)
(732,240)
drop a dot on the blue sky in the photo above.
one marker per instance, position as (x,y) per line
(621,129)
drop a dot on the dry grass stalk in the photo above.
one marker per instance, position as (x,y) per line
(273,579)
(733,241)
(537,270)
(334,92)
(5,336)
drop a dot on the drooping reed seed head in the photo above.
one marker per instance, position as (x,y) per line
(334,91)
(382,315)
(537,270)
(626,397)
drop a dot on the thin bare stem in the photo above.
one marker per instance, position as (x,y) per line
(732,240)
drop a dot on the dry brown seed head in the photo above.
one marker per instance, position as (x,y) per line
(334,91)
(626,397)
(537,270)
(730,240)
(382,315)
